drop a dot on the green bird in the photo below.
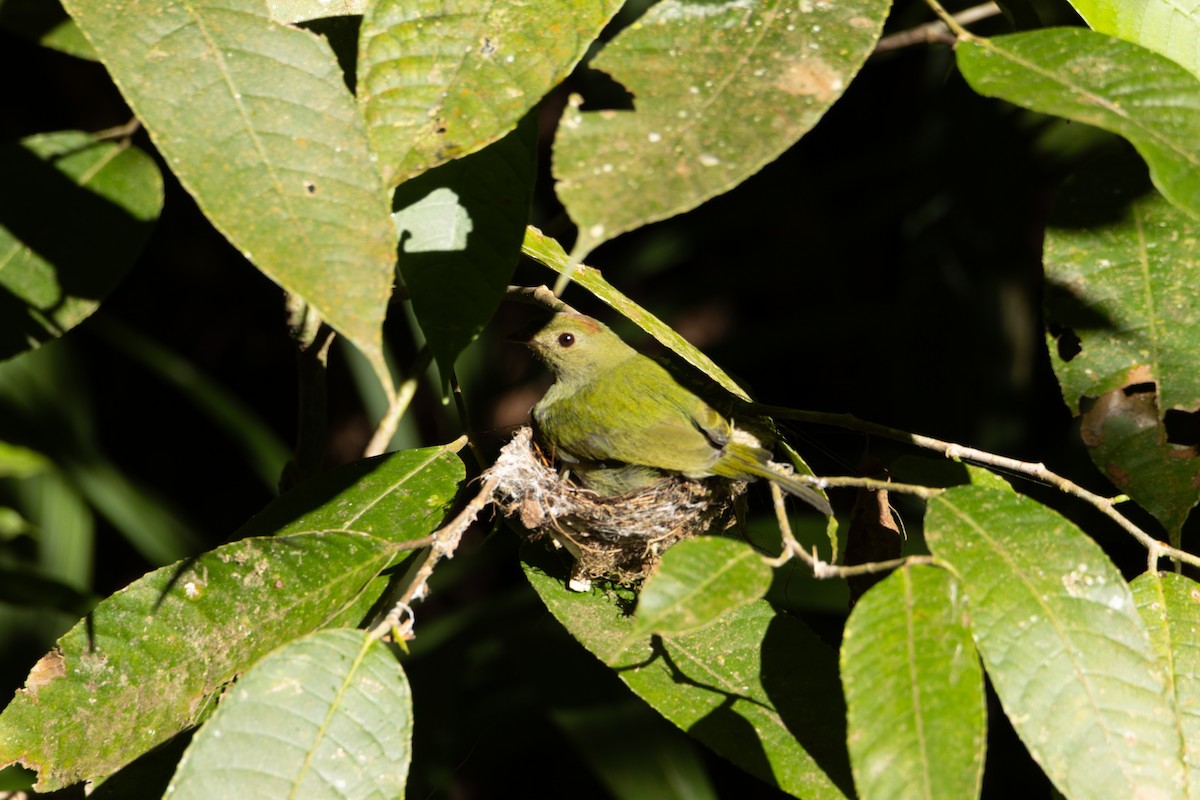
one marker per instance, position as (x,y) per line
(620,421)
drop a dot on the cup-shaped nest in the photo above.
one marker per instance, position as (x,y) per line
(620,537)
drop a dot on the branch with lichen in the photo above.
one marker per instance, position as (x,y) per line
(443,543)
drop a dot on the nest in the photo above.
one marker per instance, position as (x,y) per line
(619,538)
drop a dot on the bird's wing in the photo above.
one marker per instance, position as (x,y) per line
(638,414)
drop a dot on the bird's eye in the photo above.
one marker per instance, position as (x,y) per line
(566,339)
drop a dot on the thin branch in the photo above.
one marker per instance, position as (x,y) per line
(875,484)
(120,131)
(1038,471)
(937,31)
(398,405)
(538,296)
(950,20)
(823,569)
(401,618)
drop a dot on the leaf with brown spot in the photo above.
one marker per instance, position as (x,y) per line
(1120,267)
(148,660)
(719,90)
(141,667)
(1128,441)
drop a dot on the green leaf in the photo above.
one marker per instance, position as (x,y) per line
(1121,291)
(147,660)
(698,582)
(12,525)
(45,22)
(292,11)
(66,528)
(441,80)
(917,718)
(326,716)
(83,212)
(1165,27)
(461,227)
(1110,83)
(756,686)
(1062,642)
(255,120)
(396,496)
(149,657)
(21,462)
(719,90)
(1170,606)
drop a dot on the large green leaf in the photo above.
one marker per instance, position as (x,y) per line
(461,227)
(1062,642)
(1103,81)
(756,685)
(917,720)
(146,661)
(1164,26)
(719,90)
(439,80)
(1170,605)
(255,119)
(326,716)
(1121,291)
(74,216)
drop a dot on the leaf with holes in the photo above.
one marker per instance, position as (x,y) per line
(1121,295)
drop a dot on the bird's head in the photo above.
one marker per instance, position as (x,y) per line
(574,345)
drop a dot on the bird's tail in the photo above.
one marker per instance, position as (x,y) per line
(741,460)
